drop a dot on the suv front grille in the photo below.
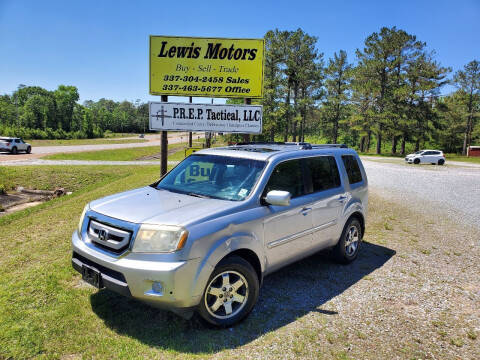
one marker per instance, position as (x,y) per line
(108,237)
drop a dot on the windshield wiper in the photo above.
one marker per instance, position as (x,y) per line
(199,195)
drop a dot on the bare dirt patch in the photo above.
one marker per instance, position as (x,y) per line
(25,198)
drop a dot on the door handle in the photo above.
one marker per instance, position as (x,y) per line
(305,211)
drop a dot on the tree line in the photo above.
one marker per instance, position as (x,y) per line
(32,112)
(386,99)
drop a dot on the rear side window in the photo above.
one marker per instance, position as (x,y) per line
(353,170)
(287,176)
(324,173)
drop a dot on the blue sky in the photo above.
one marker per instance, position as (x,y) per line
(102,46)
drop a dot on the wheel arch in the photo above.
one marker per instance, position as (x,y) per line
(251,257)
(359,216)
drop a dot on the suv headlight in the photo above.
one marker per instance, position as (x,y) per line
(159,238)
(82,217)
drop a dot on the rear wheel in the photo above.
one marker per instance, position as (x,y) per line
(14,150)
(231,292)
(347,247)
(441,162)
(29,150)
(416,161)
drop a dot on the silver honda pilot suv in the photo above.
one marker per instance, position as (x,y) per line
(203,237)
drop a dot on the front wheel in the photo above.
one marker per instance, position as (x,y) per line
(416,161)
(231,292)
(29,150)
(347,247)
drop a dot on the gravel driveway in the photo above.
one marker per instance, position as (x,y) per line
(449,190)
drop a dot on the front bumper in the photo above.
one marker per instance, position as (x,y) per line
(135,274)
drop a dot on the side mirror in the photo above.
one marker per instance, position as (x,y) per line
(278,198)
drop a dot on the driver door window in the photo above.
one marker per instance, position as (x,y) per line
(286,227)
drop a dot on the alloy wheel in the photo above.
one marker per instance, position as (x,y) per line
(352,241)
(226,295)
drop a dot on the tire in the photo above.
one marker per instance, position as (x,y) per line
(14,150)
(348,246)
(29,150)
(233,278)
(441,162)
(416,161)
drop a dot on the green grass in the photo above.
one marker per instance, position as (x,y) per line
(72,178)
(127,154)
(455,157)
(381,155)
(39,143)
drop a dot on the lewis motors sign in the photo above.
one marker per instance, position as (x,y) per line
(205,117)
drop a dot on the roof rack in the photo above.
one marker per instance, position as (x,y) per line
(343,146)
(302,145)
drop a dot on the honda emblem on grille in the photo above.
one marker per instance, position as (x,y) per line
(102,235)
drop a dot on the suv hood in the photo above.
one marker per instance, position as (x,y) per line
(152,206)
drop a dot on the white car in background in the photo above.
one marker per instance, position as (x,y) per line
(434,157)
(14,145)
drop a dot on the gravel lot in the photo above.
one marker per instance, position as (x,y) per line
(449,190)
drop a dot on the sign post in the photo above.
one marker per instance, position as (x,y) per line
(164,145)
(190,133)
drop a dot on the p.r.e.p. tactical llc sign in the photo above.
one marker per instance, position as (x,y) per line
(205,117)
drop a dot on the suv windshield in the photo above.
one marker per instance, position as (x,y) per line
(219,177)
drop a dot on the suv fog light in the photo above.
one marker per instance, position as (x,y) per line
(157,287)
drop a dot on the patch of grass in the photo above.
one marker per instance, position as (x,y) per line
(40,143)
(458,342)
(455,157)
(387,226)
(426,251)
(127,154)
(361,335)
(472,335)
(3,189)
(72,178)
(381,155)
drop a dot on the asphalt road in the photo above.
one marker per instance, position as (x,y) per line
(452,190)
(39,151)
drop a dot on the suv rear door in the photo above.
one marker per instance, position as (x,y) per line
(328,199)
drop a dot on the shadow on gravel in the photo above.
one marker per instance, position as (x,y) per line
(285,296)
